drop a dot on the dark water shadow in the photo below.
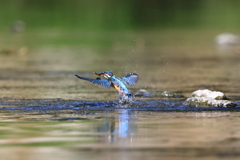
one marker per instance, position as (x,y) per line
(30,105)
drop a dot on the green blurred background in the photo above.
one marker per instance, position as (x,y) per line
(122,15)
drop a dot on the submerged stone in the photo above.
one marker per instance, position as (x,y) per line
(207,98)
(164,94)
(143,93)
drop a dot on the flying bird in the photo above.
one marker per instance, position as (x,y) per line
(108,80)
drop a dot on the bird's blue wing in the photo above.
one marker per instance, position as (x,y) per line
(130,79)
(102,82)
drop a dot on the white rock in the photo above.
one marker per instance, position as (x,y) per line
(209,94)
(207,98)
(227,39)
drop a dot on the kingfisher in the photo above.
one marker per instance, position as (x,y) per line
(108,80)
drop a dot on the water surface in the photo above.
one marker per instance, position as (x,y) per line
(47,113)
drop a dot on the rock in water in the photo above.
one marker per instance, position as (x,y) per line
(163,94)
(227,39)
(144,93)
(207,98)
(209,94)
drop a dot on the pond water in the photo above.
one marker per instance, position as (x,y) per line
(47,113)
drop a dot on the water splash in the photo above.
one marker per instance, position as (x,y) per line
(125,100)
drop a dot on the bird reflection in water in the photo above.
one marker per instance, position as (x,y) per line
(120,128)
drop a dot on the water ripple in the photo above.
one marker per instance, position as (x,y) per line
(28,105)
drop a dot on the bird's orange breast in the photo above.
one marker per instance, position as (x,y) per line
(116,87)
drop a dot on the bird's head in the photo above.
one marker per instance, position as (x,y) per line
(105,74)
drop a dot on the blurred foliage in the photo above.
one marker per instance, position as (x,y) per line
(124,14)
